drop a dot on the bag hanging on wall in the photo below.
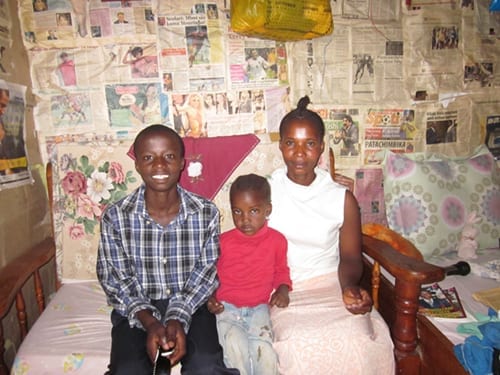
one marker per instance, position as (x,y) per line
(282,20)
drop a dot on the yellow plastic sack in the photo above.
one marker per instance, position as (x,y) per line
(282,20)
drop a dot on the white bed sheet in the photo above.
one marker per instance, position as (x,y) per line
(465,285)
(72,336)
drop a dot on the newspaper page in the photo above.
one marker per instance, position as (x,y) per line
(361,63)
(255,63)
(391,129)
(48,22)
(192,56)
(383,10)
(5,25)
(369,188)
(447,129)
(320,68)
(343,130)
(486,120)
(233,112)
(432,47)
(377,63)
(481,49)
(14,170)
(70,68)
(124,106)
(487,22)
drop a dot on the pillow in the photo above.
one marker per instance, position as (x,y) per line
(87,177)
(429,196)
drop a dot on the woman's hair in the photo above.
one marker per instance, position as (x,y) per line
(254,183)
(301,113)
(136,51)
(145,103)
(160,129)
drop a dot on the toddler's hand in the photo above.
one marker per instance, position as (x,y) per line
(280,297)
(214,306)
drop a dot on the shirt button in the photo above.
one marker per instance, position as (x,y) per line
(168,291)
(164,260)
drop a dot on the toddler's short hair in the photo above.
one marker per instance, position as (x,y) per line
(251,182)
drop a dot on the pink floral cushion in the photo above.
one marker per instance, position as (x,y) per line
(428,198)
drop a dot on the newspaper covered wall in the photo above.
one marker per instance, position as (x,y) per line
(105,69)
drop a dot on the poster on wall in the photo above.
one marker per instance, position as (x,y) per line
(13,162)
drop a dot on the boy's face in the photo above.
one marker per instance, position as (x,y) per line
(159,161)
(249,211)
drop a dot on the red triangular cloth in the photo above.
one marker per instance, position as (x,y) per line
(210,161)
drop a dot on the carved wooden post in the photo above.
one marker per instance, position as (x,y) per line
(404,331)
(21,315)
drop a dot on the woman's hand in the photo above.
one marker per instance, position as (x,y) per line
(357,300)
(214,306)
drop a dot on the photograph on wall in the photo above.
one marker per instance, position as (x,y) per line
(71,110)
(14,169)
(143,61)
(131,105)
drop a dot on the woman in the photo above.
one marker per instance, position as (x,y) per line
(194,114)
(328,327)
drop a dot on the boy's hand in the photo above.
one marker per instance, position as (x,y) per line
(280,297)
(214,306)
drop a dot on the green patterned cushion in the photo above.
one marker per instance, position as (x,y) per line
(429,196)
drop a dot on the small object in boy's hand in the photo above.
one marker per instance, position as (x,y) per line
(162,362)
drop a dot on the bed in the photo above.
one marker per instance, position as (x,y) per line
(72,335)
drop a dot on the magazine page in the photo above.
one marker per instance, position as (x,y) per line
(14,169)
(435,302)
(452,295)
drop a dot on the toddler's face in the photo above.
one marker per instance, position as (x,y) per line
(249,211)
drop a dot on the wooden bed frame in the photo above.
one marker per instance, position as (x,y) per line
(419,348)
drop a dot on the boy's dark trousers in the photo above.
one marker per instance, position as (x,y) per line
(204,353)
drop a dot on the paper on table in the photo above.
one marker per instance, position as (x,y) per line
(490,297)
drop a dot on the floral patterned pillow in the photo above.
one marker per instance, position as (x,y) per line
(87,177)
(429,197)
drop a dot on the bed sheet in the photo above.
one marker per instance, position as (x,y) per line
(477,280)
(72,336)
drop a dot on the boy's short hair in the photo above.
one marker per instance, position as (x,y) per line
(252,182)
(159,128)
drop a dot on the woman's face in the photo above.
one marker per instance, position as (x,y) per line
(39,5)
(209,99)
(301,147)
(151,92)
(194,101)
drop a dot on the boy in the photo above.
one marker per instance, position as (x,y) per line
(252,264)
(157,265)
